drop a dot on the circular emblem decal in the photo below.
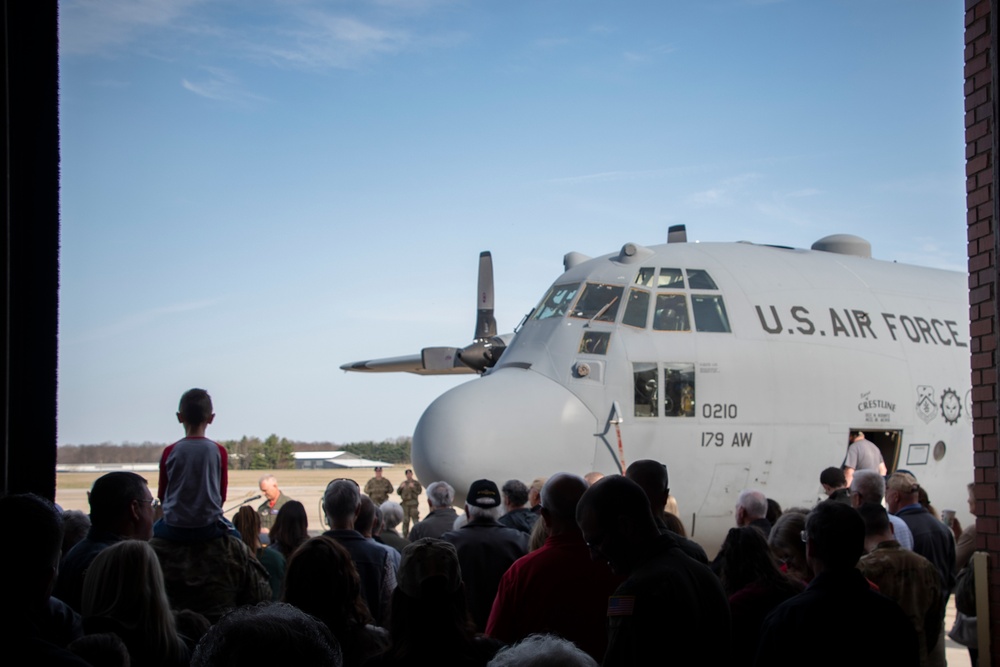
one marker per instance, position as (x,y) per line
(951,406)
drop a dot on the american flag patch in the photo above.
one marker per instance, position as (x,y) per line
(621,605)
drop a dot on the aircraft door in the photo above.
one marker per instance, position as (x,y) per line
(887,443)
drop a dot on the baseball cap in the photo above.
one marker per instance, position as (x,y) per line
(902,481)
(426,559)
(483,493)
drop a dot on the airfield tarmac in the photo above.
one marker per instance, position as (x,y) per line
(307,487)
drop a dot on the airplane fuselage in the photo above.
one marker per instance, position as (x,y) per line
(737,365)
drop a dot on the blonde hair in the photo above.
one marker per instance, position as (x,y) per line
(539,533)
(125,583)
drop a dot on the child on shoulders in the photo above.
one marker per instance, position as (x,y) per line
(193,476)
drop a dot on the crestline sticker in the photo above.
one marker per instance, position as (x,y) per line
(927,408)
(876,410)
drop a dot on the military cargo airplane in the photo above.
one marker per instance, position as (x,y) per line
(738,365)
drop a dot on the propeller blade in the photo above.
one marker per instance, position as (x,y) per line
(412,363)
(486,324)
(481,355)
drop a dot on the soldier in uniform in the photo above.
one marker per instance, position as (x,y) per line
(378,487)
(409,490)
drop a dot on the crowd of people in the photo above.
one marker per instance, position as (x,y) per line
(567,570)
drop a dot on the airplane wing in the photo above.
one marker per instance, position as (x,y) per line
(430,361)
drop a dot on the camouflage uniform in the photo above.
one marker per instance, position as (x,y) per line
(915,584)
(212,576)
(408,491)
(378,490)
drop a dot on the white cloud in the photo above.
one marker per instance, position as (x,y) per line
(145,317)
(616,176)
(97,26)
(303,34)
(221,86)
(321,41)
(648,54)
(412,6)
(722,192)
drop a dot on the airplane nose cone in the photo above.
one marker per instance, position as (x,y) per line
(510,424)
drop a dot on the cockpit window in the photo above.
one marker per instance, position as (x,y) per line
(636,308)
(594,342)
(709,312)
(671,278)
(645,276)
(671,313)
(699,279)
(598,302)
(557,301)
(645,389)
(678,390)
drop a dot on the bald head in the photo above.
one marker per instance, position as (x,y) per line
(560,496)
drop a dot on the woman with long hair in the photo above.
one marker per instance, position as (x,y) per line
(429,602)
(322,581)
(755,586)
(123,593)
(787,545)
(290,529)
(247,522)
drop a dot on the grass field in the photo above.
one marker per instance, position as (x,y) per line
(306,486)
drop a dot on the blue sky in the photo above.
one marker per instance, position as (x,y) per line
(256,192)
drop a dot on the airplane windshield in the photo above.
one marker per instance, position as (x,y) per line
(557,301)
(709,312)
(699,279)
(645,276)
(671,313)
(672,278)
(637,308)
(599,302)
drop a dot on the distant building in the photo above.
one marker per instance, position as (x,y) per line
(334,459)
(108,467)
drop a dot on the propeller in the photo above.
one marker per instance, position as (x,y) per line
(477,357)
(486,347)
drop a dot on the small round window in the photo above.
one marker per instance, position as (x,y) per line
(939,450)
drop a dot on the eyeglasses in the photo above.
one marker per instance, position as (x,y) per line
(152,502)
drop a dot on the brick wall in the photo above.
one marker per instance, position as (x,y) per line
(980,53)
